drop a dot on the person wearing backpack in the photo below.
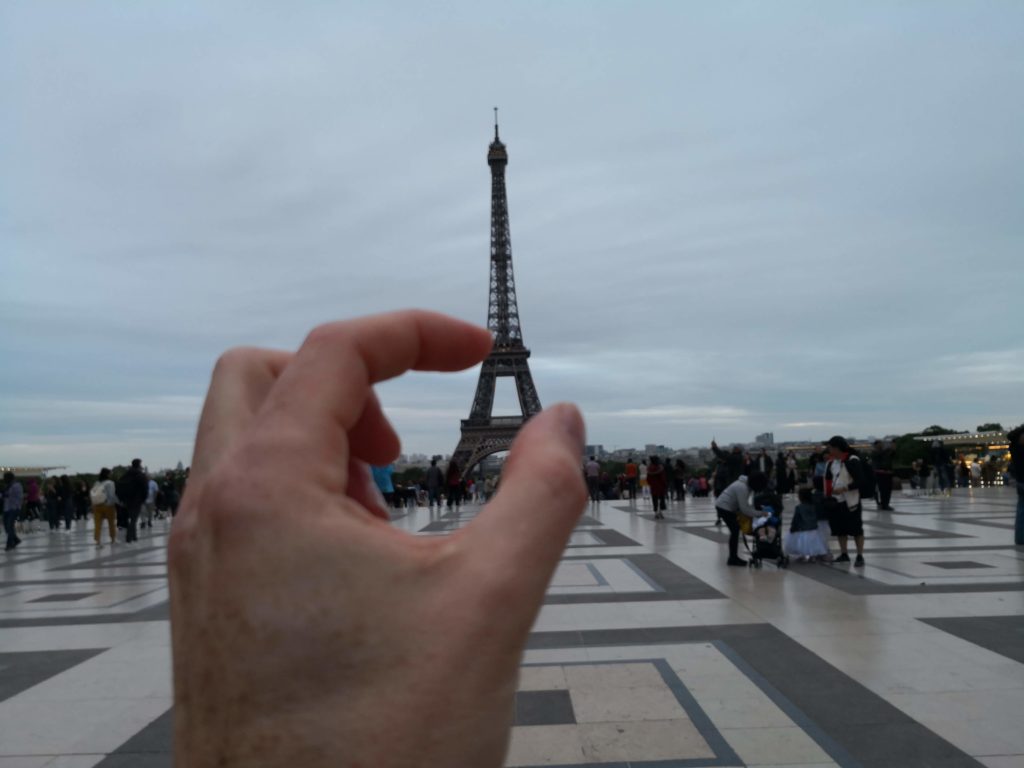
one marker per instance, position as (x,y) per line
(132,489)
(844,479)
(103,498)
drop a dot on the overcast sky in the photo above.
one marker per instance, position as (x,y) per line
(726,218)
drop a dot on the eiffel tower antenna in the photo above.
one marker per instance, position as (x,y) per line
(483,433)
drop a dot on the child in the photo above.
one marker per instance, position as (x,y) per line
(804,542)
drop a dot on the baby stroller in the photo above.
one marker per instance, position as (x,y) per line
(765,534)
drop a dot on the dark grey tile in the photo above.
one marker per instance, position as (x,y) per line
(21,671)
(63,597)
(149,748)
(957,564)
(1000,634)
(544,708)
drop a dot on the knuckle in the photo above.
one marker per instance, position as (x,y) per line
(232,360)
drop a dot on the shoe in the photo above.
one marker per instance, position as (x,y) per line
(859,562)
(98,545)
(738,561)
(718,522)
(843,558)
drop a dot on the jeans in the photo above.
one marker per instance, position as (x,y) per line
(734,531)
(595,494)
(133,522)
(10,517)
(1018,527)
(434,496)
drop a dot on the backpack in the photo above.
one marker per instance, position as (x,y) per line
(867,478)
(98,494)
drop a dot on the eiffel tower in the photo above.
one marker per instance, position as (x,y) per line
(483,433)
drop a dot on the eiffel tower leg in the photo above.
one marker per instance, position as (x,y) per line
(529,401)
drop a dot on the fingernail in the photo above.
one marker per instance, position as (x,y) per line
(572,422)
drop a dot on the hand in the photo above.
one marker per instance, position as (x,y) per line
(309,632)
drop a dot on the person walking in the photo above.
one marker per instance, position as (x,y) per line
(938,456)
(592,469)
(13,496)
(434,482)
(645,490)
(383,478)
(1016,440)
(172,497)
(34,507)
(658,484)
(843,480)
(132,490)
(103,498)
(735,501)
(881,460)
(781,478)
(149,506)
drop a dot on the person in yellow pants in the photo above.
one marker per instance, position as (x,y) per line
(105,511)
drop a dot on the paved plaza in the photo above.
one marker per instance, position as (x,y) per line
(648,653)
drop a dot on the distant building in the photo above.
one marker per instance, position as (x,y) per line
(594,450)
(651,449)
(766,438)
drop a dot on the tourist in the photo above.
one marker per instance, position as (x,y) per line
(781,479)
(804,541)
(658,484)
(13,495)
(453,482)
(632,476)
(843,479)
(792,478)
(54,504)
(763,463)
(938,455)
(645,490)
(1016,439)
(149,506)
(735,501)
(103,496)
(383,478)
(169,490)
(81,501)
(881,460)
(593,474)
(67,502)
(132,490)
(679,478)
(733,461)
(819,463)
(34,507)
(434,482)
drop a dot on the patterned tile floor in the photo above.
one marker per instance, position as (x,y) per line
(648,652)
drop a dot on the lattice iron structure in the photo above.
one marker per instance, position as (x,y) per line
(483,433)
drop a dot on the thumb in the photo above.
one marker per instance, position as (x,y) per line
(523,532)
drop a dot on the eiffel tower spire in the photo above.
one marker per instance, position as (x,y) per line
(483,433)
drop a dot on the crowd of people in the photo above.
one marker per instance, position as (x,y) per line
(131,502)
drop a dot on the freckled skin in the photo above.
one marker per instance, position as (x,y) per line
(309,632)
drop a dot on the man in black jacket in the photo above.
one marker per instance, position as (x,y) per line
(132,489)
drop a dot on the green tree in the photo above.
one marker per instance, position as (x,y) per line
(994,426)
(935,429)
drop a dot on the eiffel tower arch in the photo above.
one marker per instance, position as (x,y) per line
(483,433)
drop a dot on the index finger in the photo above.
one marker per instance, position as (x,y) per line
(324,389)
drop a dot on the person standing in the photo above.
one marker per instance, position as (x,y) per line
(881,460)
(781,478)
(170,493)
(843,479)
(632,474)
(13,496)
(1016,440)
(645,490)
(34,507)
(791,472)
(735,501)
(104,501)
(132,490)
(593,472)
(658,484)
(434,482)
